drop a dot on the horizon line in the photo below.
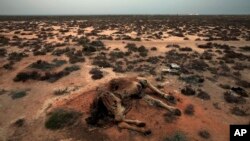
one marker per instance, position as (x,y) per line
(191,14)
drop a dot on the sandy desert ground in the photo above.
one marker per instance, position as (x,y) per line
(51,63)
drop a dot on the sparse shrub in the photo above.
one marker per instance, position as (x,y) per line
(189,110)
(61,91)
(206,55)
(89,49)
(186,49)
(203,95)
(142,49)
(58,63)
(24,76)
(193,79)
(3,40)
(75,59)
(97,43)
(178,136)
(3,52)
(14,56)
(173,46)
(245,48)
(206,46)
(102,63)
(198,39)
(198,65)
(9,66)
(231,97)
(143,54)
(53,77)
(18,94)
(48,76)
(243,83)
(43,65)
(240,91)
(130,67)
(238,112)
(153,49)
(96,73)
(59,52)
(72,68)
(118,68)
(117,54)
(61,118)
(188,91)
(171,116)
(131,47)
(136,39)
(204,134)
(83,40)
(126,37)
(39,52)
(153,60)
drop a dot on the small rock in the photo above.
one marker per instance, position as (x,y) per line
(174,66)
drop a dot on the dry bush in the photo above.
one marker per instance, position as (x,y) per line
(61,118)
(189,110)
(96,73)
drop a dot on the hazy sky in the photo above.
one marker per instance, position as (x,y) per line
(86,7)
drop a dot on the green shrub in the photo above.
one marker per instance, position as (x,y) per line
(178,136)
(72,68)
(102,63)
(43,65)
(61,118)
(131,47)
(18,94)
(96,73)
(14,56)
(117,54)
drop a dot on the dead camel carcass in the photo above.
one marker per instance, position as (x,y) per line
(115,100)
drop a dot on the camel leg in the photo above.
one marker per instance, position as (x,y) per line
(156,90)
(124,125)
(157,102)
(135,122)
